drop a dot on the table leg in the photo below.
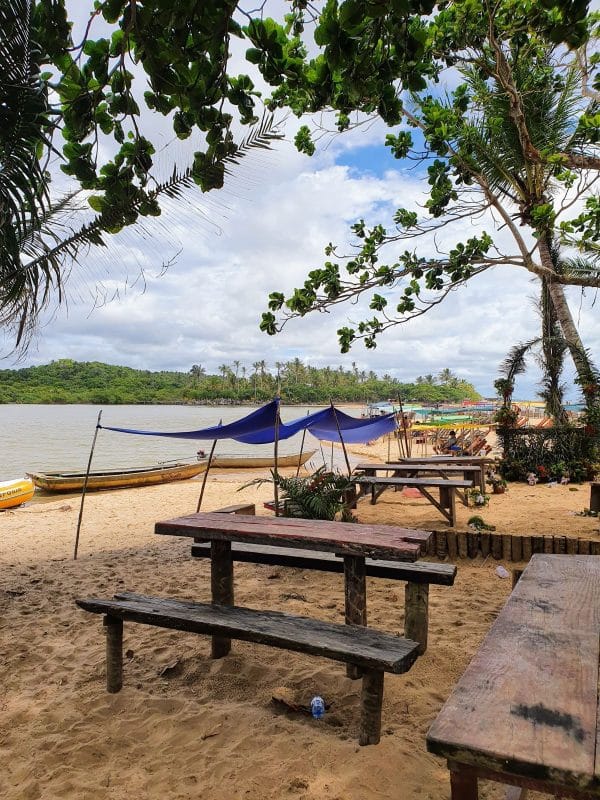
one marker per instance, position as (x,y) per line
(463,785)
(482,479)
(355,590)
(448,501)
(221,584)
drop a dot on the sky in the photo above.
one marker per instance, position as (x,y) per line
(263,233)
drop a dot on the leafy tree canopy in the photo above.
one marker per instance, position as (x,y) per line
(67,381)
(82,103)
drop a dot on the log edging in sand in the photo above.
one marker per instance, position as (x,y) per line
(456,545)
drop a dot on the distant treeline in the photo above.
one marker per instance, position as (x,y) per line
(67,381)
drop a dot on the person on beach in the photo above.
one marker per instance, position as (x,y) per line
(452,445)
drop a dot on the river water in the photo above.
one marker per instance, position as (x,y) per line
(52,438)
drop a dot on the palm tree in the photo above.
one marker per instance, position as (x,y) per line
(262,365)
(446,376)
(255,367)
(197,372)
(501,142)
(552,348)
(236,364)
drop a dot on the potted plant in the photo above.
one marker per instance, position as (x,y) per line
(497,482)
(322,495)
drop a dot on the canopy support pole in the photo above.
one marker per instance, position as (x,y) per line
(323,455)
(205,476)
(301,451)
(85,483)
(275,458)
(408,448)
(341,439)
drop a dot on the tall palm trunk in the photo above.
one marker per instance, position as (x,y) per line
(553,349)
(556,290)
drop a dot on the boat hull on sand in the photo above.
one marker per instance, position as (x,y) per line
(256,462)
(150,476)
(116,479)
(15,493)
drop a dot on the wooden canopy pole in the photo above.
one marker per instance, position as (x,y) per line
(275,458)
(205,476)
(408,448)
(85,483)
(341,439)
(301,450)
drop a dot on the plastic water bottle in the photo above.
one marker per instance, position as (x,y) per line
(317,707)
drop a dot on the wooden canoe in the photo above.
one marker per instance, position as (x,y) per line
(160,473)
(15,493)
(116,479)
(254,462)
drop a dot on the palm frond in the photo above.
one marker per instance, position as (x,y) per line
(52,244)
(23,122)
(515,362)
(578,267)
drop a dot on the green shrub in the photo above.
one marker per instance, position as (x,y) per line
(550,453)
(322,495)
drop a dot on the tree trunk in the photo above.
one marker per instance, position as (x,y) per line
(565,319)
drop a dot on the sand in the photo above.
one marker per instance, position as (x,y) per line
(187,727)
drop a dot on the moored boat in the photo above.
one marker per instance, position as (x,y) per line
(254,462)
(16,492)
(159,473)
(116,479)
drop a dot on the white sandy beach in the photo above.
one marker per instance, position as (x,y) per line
(187,727)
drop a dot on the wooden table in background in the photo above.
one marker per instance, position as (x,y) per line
(480,461)
(442,469)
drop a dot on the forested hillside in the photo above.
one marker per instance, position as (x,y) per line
(67,381)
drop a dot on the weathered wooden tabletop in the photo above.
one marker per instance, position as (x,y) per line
(449,459)
(527,705)
(418,466)
(384,542)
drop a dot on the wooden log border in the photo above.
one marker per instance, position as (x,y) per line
(455,545)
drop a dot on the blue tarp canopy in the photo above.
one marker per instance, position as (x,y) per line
(260,420)
(260,427)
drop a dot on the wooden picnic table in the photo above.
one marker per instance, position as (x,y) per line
(443,470)
(446,504)
(353,542)
(480,461)
(525,712)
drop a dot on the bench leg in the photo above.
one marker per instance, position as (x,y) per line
(355,591)
(370,707)
(463,785)
(221,584)
(448,501)
(416,613)
(114,653)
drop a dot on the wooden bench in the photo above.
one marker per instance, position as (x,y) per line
(417,575)
(525,712)
(469,472)
(446,505)
(237,508)
(372,651)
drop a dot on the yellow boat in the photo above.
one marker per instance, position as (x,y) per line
(150,476)
(14,493)
(116,479)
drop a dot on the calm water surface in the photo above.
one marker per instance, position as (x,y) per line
(51,438)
